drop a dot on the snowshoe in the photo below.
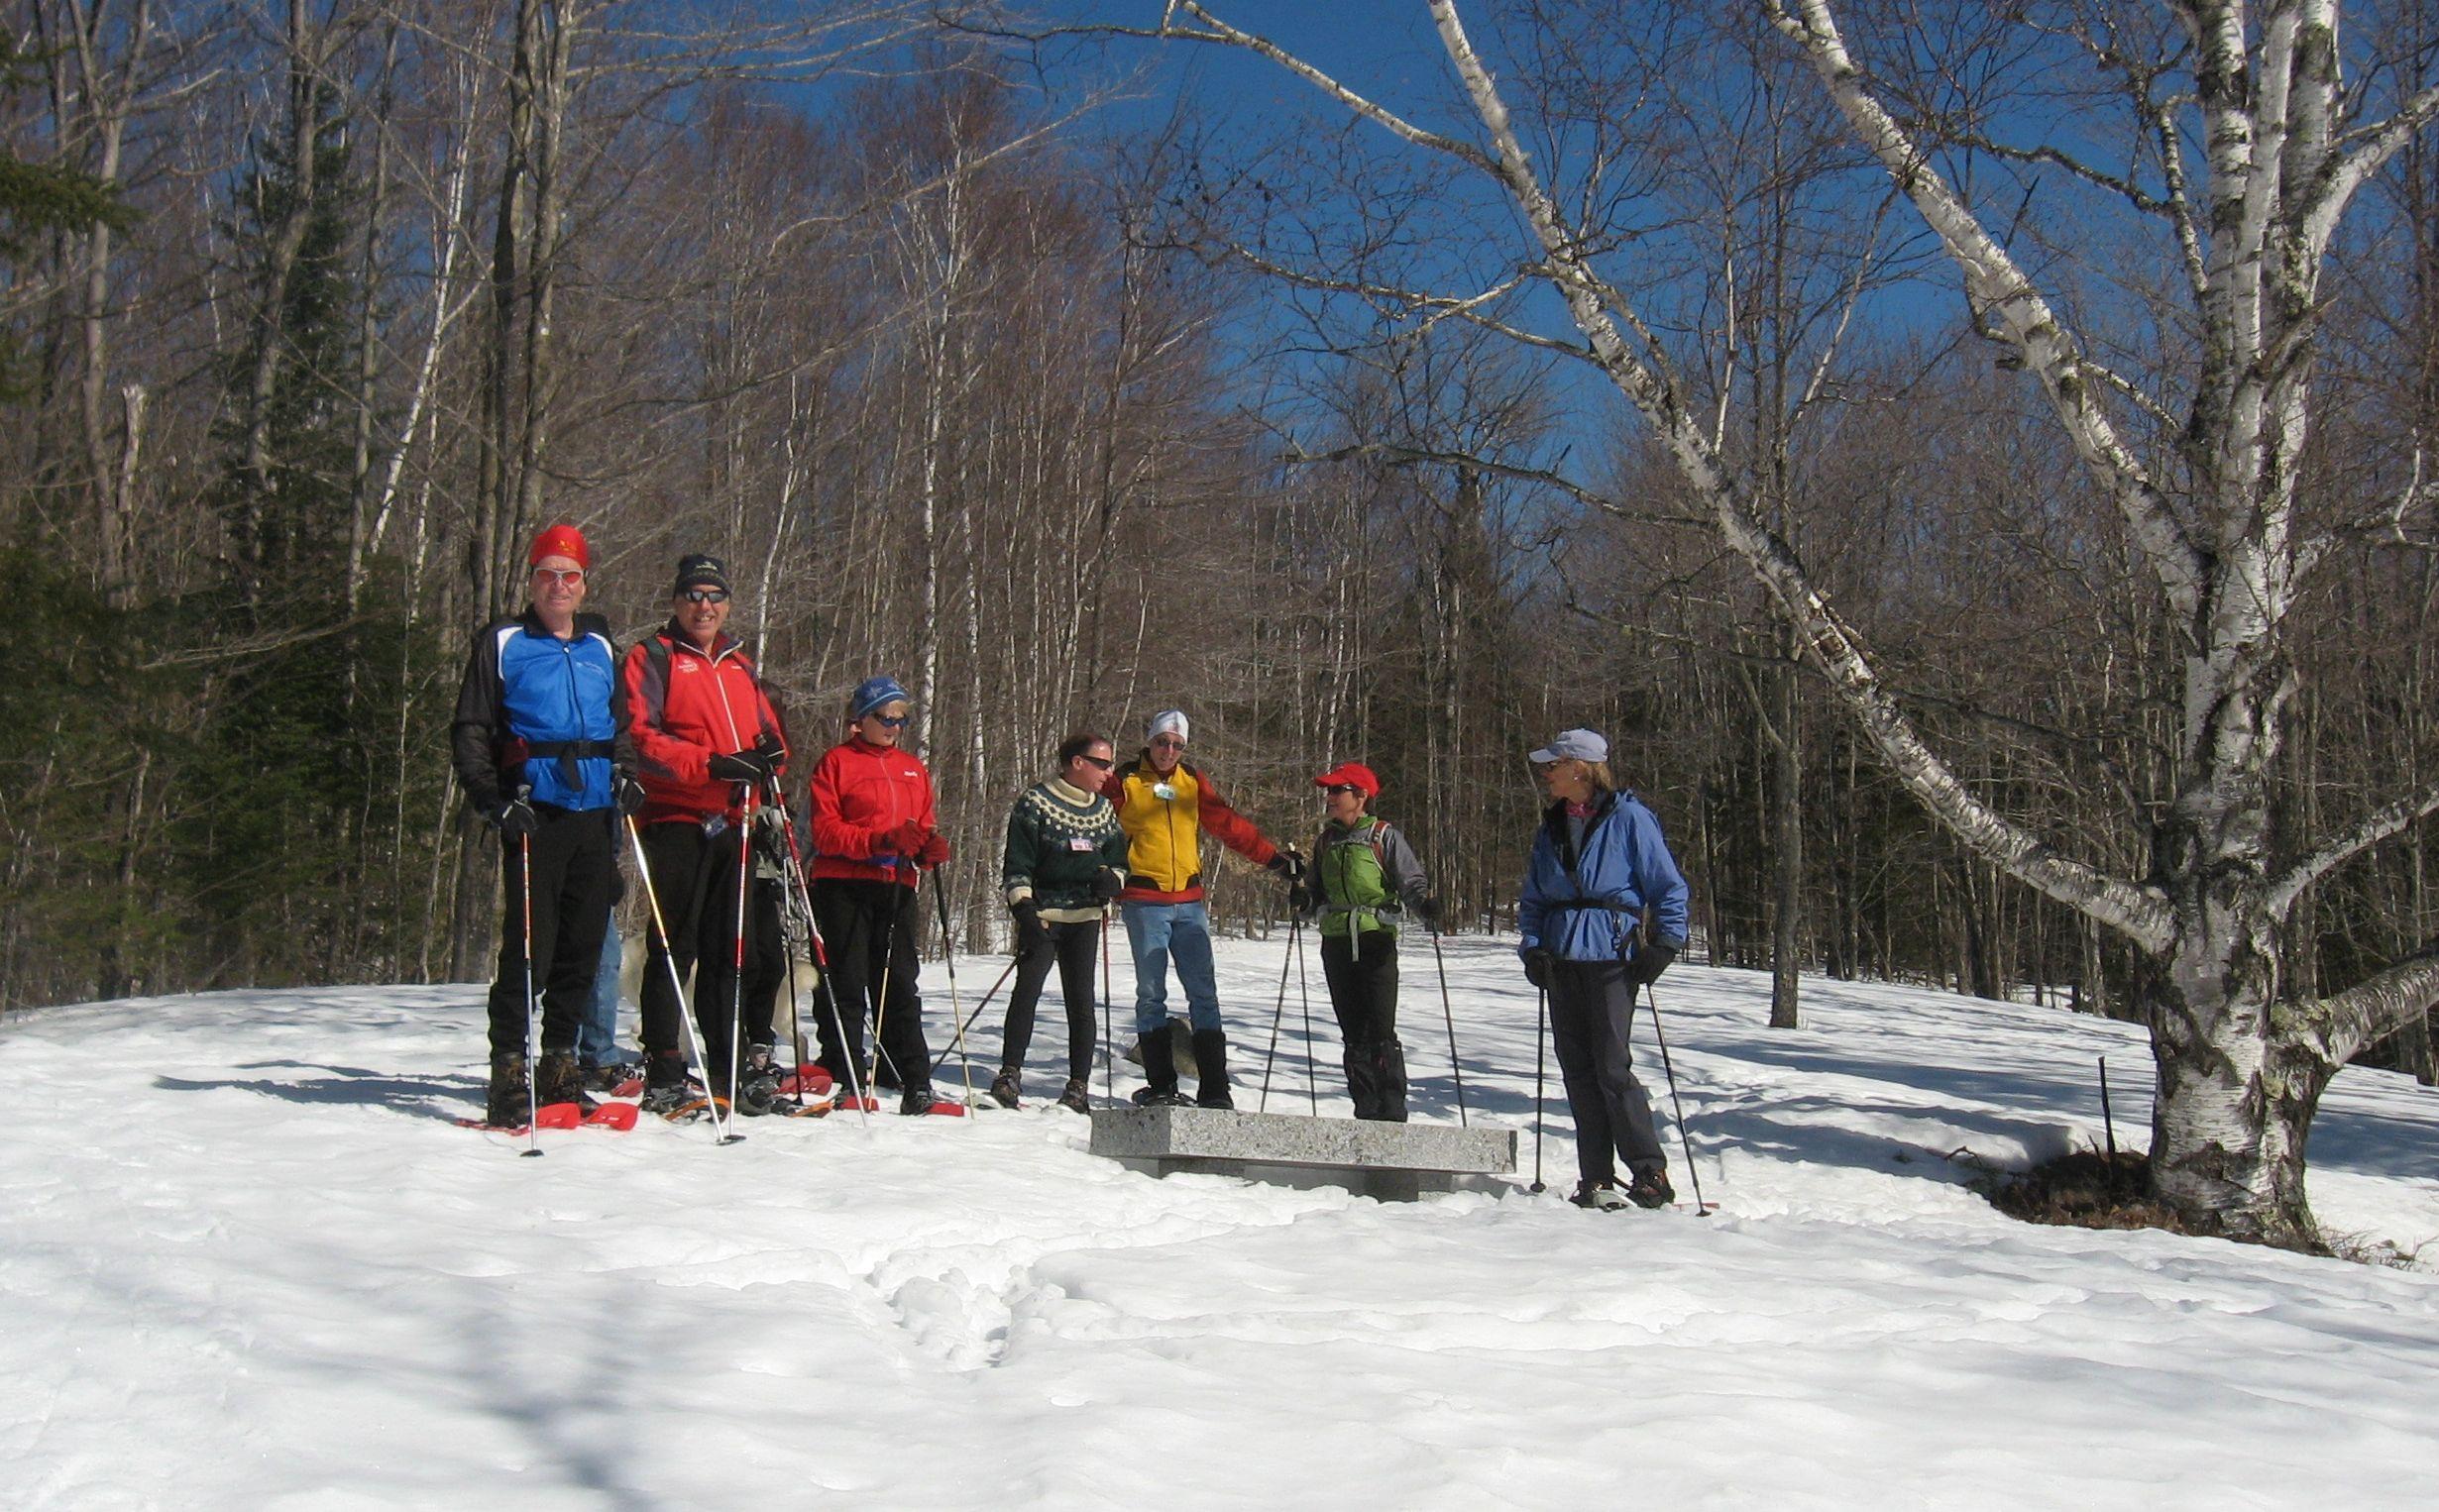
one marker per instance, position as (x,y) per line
(1650,1189)
(1602,1197)
(1004,1090)
(694,1106)
(1158,1097)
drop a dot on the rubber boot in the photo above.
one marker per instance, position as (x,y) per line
(1159,1071)
(504,1103)
(1388,1083)
(1363,1079)
(560,1080)
(1211,1069)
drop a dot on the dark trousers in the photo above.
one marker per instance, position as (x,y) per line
(693,880)
(868,930)
(1592,1008)
(1362,978)
(766,961)
(1072,946)
(575,870)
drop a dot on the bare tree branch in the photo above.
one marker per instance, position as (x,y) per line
(2395,818)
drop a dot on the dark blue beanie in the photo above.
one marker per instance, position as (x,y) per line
(872,692)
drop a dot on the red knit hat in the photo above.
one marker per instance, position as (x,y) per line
(1352,773)
(560,540)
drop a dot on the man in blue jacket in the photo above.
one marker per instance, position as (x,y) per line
(1598,863)
(541,748)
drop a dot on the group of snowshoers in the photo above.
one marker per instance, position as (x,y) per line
(675,750)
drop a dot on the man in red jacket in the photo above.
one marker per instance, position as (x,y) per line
(874,834)
(708,747)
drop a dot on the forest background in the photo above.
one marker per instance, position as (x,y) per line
(982,363)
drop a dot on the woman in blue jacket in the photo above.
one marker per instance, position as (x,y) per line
(1598,863)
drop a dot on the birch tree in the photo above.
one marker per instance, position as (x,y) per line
(2252,151)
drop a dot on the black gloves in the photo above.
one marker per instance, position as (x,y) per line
(626,793)
(1428,910)
(1537,965)
(1646,964)
(1289,865)
(1107,884)
(1031,932)
(513,818)
(1299,897)
(751,765)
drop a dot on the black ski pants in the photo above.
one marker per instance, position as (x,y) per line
(1592,1008)
(693,880)
(1072,945)
(575,874)
(1363,979)
(868,930)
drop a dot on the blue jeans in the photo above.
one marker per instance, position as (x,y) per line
(597,1034)
(1157,932)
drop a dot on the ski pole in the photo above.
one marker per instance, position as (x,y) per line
(943,1058)
(1684,1142)
(1312,1062)
(1278,1012)
(660,928)
(1449,1013)
(1541,1039)
(823,991)
(948,958)
(524,885)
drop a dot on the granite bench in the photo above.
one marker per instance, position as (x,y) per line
(1394,1162)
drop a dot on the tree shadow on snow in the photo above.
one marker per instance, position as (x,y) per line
(434,1097)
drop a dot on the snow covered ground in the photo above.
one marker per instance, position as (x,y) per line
(248,1260)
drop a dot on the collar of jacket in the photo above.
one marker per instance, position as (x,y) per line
(723,645)
(1555,817)
(1340,826)
(585,624)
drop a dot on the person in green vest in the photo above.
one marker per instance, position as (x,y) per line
(1364,877)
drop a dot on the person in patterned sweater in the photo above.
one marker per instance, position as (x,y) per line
(1066,861)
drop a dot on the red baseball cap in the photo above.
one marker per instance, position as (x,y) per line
(560,540)
(1352,773)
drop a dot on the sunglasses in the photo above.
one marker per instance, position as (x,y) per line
(1344,787)
(705,595)
(1169,743)
(889,721)
(1102,762)
(568,576)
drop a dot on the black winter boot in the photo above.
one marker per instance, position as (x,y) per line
(505,1102)
(1362,1071)
(1077,1098)
(664,1081)
(1388,1083)
(559,1080)
(1211,1069)
(1159,1071)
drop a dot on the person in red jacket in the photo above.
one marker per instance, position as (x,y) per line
(708,748)
(874,834)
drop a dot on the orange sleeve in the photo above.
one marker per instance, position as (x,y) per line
(1230,828)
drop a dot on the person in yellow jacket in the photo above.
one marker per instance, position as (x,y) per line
(1165,803)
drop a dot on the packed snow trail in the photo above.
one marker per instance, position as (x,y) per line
(251,1261)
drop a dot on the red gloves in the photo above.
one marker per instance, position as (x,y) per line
(935,851)
(907,839)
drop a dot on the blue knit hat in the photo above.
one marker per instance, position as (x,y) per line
(872,692)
